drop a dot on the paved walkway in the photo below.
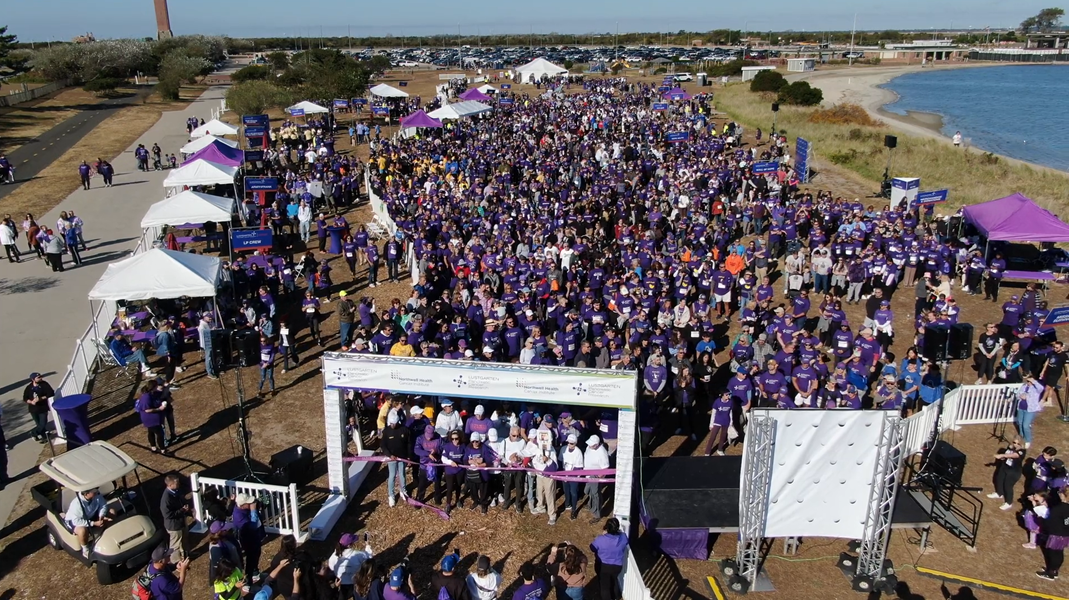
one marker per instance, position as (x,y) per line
(43,313)
(32,157)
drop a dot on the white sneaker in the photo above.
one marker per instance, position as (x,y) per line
(980,381)
(393,502)
(720,453)
(993,495)
(1006,506)
(85,551)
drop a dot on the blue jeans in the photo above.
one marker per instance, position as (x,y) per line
(267,374)
(395,468)
(571,494)
(344,333)
(209,364)
(574,593)
(1023,421)
(820,283)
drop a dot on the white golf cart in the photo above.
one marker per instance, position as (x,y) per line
(129,538)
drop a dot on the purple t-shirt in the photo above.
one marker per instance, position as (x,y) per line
(722,411)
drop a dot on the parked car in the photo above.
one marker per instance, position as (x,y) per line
(130,538)
(683,77)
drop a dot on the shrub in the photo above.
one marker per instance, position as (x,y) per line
(169,88)
(250,73)
(103,85)
(617,68)
(767,81)
(254,97)
(568,64)
(730,69)
(660,71)
(845,114)
(800,93)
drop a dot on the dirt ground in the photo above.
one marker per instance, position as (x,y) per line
(206,416)
(22,123)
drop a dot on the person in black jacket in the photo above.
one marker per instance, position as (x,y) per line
(1056,527)
(453,582)
(175,507)
(396,444)
(37,396)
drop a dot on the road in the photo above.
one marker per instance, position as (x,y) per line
(32,157)
(43,313)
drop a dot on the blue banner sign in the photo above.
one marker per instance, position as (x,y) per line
(359,100)
(906,183)
(253,131)
(256,142)
(505,100)
(663,89)
(254,155)
(261,184)
(801,163)
(296,112)
(677,136)
(933,197)
(261,120)
(381,111)
(402,83)
(341,103)
(760,168)
(660,106)
(1059,315)
(506,86)
(244,239)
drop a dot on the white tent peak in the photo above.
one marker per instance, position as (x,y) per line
(189,207)
(158,273)
(201,172)
(203,142)
(387,91)
(214,127)
(538,67)
(309,108)
(457,110)
(486,89)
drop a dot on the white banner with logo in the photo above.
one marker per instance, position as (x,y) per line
(491,381)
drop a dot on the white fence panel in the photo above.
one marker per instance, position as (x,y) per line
(633,587)
(279,507)
(919,427)
(986,404)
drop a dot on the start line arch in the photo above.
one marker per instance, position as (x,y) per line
(433,378)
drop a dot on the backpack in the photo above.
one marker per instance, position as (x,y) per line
(142,586)
(443,594)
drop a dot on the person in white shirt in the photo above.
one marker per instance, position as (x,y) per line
(543,458)
(484,582)
(572,459)
(448,419)
(304,220)
(8,239)
(957,139)
(512,454)
(595,458)
(567,254)
(496,446)
(347,559)
(88,510)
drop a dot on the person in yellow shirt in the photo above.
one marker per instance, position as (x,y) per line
(229,581)
(402,347)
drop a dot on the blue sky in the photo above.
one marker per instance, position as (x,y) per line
(64,19)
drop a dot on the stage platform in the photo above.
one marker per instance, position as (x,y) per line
(700,492)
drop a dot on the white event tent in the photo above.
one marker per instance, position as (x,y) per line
(189,207)
(200,172)
(309,108)
(387,91)
(214,127)
(158,273)
(205,141)
(457,110)
(486,89)
(534,70)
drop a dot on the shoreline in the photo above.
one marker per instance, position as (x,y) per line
(863,86)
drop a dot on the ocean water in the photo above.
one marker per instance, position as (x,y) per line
(1018,111)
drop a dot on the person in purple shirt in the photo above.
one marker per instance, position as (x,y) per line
(476,481)
(719,422)
(453,457)
(532,588)
(654,378)
(84,173)
(150,408)
(167,578)
(400,586)
(610,551)
(888,396)
(428,448)
(267,363)
(478,423)
(850,399)
(772,383)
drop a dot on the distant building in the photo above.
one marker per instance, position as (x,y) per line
(929,50)
(801,65)
(1048,40)
(749,73)
(84,39)
(163,20)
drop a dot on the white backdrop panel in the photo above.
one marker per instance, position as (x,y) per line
(822,471)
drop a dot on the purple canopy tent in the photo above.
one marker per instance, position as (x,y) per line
(677,93)
(419,119)
(1016,218)
(220,154)
(474,94)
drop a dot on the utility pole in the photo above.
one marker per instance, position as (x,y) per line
(852,31)
(616,45)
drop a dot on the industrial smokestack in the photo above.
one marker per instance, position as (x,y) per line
(163,20)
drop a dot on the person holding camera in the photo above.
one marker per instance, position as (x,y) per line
(1008,462)
(567,564)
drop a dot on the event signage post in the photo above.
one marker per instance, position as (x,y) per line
(380,111)
(761,168)
(933,197)
(260,186)
(257,128)
(261,120)
(341,103)
(360,101)
(1059,315)
(506,86)
(504,100)
(663,88)
(402,83)
(660,106)
(250,239)
(254,131)
(254,155)
(296,112)
(677,136)
(802,150)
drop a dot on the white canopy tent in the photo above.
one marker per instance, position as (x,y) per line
(387,91)
(203,142)
(158,273)
(200,172)
(189,207)
(309,108)
(534,70)
(457,110)
(214,127)
(486,89)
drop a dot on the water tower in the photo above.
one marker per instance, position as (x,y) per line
(163,20)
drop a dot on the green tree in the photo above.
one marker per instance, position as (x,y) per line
(800,93)
(10,65)
(103,86)
(279,61)
(250,73)
(254,97)
(1047,20)
(767,81)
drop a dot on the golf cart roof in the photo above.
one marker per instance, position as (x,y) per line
(88,467)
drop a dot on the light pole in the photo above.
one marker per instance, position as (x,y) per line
(775,111)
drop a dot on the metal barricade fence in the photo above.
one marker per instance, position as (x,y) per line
(278,506)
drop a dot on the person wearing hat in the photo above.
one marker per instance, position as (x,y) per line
(448,419)
(571,458)
(888,396)
(346,560)
(38,395)
(543,459)
(221,546)
(512,455)
(485,581)
(250,534)
(396,446)
(476,478)
(400,586)
(167,578)
(479,422)
(428,448)
(87,514)
(595,458)
(447,578)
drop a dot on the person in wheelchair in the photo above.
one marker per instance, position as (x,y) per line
(87,516)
